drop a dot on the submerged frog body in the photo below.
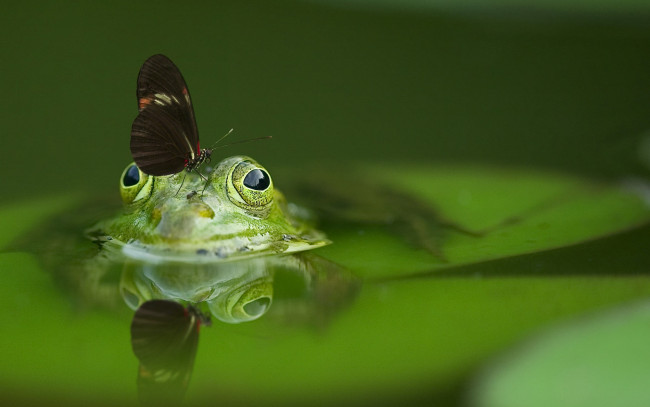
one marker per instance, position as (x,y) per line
(238,214)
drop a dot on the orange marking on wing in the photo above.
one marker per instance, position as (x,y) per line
(144,102)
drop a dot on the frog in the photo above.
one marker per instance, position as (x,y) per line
(238,214)
(216,241)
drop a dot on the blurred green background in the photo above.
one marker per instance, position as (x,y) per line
(551,85)
(520,83)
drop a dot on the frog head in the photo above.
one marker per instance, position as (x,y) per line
(232,212)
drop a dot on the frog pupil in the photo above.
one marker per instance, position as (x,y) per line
(132,176)
(257,179)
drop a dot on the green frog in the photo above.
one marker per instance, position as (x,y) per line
(238,214)
(219,242)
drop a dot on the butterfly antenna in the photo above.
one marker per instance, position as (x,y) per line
(221,138)
(245,141)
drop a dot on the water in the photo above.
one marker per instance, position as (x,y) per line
(557,93)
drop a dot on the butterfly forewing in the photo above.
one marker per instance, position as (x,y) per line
(164,136)
(159,144)
(164,337)
(164,333)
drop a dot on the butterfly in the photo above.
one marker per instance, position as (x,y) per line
(164,338)
(164,135)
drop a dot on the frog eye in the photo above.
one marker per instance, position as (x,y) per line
(131,176)
(250,187)
(134,184)
(257,180)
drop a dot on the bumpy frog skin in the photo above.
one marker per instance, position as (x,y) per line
(236,214)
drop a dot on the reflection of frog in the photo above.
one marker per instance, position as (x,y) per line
(311,288)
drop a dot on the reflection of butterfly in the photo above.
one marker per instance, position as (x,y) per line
(164,136)
(164,338)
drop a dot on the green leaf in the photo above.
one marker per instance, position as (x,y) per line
(521,211)
(400,338)
(601,360)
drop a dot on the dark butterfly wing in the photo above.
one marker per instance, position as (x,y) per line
(164,338)
(159,145)
(161,88)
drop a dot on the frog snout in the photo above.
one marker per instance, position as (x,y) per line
(181,223)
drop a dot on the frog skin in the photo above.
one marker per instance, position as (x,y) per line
(237,214)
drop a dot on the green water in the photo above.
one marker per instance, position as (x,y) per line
(549,90)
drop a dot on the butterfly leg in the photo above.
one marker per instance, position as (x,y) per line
(181,186)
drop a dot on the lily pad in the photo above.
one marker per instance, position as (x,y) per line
(401,337)
(398,340)
(601,360)
(517,212)
(512,211)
